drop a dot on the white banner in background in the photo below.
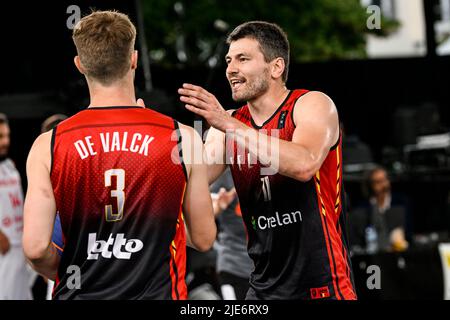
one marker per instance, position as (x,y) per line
(444,250)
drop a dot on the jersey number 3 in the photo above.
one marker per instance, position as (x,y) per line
(118,193)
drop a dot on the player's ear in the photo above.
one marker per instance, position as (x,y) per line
(278,67)
(77,62)
(134,60)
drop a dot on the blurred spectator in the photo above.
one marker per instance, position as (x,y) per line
(15,275)
(379,223)
(52,122)
(233,263)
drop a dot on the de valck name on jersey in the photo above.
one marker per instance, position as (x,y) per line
(112,142)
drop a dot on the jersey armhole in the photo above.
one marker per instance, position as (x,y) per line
(338,140)
(180,148)
(293,107)
(52,149)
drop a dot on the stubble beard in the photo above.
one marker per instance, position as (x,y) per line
(254,89)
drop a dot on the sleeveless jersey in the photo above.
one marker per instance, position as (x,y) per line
(296,230)
(119,180)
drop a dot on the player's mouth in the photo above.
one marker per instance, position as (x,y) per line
(236,83)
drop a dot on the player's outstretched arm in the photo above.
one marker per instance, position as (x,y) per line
(197,205)
(39,210)
(317,129)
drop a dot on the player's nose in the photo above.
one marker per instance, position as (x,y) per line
(231,69)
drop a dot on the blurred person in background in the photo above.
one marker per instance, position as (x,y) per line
(378,224)
(52,121)
(15,276)
(233,263)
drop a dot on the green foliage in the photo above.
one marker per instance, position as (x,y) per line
(317,29)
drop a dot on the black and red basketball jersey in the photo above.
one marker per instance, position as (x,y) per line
(119,181)
(296,230)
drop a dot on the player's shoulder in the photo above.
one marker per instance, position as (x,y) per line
(41,150)
(45,137)
(314,96)
(43,141)
(314,101)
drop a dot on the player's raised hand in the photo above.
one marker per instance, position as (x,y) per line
(205,104)
(225,198)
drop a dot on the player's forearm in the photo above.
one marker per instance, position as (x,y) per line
(214,170)
(284,157)
(45,263)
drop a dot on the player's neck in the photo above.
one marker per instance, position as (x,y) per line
(119,94)
(265,105)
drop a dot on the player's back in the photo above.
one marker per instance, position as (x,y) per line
(119,181)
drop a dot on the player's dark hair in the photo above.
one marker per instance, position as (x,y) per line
(272,40)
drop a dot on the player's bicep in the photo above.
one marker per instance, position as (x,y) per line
(317,124)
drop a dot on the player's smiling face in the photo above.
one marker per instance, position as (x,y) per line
(247,71)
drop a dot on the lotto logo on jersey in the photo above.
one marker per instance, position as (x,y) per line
(118,246)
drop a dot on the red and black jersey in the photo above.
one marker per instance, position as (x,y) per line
(119,180)
(296,230)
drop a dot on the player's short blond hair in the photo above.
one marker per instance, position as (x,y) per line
(105,42)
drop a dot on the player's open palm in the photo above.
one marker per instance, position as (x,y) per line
(205,104)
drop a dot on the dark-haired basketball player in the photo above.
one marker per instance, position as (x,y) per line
(295,218)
